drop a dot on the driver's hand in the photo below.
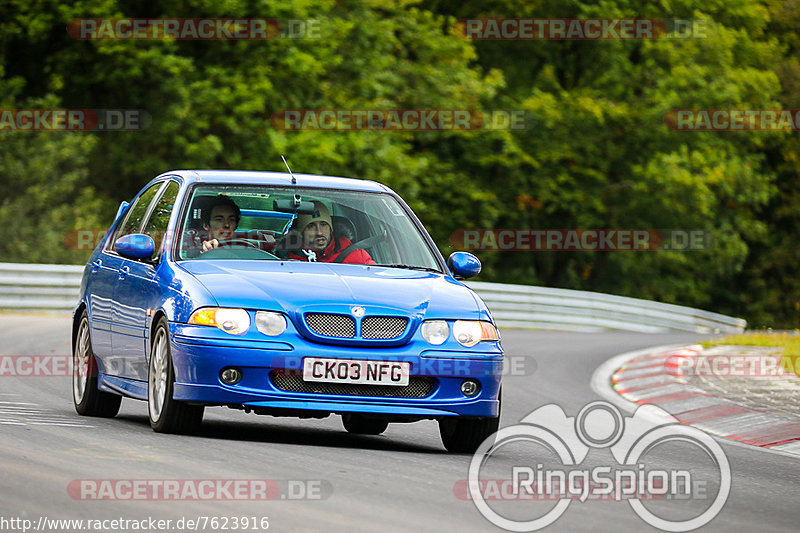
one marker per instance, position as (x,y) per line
(210,245)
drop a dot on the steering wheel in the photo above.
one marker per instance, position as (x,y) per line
(237,253)
(239,241)
(363,243)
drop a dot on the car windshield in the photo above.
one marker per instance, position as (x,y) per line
(262,222)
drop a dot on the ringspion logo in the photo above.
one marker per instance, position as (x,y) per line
(643,471)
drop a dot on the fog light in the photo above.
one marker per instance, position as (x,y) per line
(470,387)
(232,376)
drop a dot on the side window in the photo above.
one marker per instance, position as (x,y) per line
(136,213)
(156,225)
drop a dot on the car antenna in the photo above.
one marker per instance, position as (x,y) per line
(294,180)
(297,197)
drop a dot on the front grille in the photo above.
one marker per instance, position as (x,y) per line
(383,327)
(418,387)
(330,325)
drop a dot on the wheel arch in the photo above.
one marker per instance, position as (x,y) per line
(76,319)
(157,316)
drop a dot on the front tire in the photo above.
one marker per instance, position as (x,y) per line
(363,425)
(166,414)
(87,398)
(465,435)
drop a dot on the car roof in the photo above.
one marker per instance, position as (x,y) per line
(275,178)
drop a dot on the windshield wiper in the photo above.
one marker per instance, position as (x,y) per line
(412,267)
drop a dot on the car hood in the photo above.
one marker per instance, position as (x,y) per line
(289,286)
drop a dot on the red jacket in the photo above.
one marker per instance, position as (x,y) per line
(334,248)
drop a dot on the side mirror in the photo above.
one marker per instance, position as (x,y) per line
(135,246)
(464,265)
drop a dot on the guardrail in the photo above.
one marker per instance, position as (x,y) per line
(527,306)
(48,287)
(56,287)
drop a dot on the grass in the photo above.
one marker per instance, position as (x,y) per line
(788,342)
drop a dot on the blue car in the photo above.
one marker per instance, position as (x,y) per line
(284,295)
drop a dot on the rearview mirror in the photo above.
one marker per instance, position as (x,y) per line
(135,246)
(295,205)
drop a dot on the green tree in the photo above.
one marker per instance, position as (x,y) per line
(601,156)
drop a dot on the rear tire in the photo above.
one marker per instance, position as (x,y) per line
(363,425)
(87,398)
(166,414)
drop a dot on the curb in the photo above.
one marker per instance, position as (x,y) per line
(653,376)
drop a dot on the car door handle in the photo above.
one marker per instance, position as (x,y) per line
(96,264)
(124,271)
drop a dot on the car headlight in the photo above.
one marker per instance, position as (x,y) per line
(233,321)
(270,323)
(470,332)
(435,331)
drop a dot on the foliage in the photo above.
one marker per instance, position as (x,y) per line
(597,152)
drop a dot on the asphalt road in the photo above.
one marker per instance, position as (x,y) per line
(400,481)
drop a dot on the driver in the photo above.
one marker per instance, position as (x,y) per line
(220,220)
(319,243)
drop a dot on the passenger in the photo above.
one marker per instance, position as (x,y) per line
(319,243)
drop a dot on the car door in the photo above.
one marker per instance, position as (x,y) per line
(101,283)
(100,291)
(137,292)
(126,340)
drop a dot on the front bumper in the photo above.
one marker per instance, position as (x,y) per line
(199,354)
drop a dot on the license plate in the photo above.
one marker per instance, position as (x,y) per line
(356,371)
